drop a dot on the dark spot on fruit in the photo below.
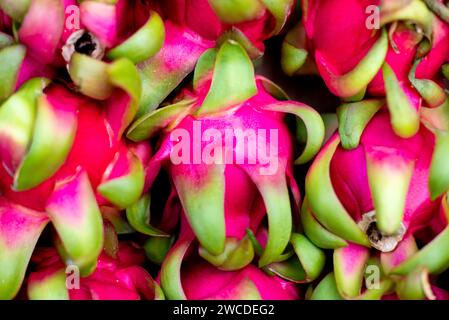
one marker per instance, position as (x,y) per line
(373,233)
(85,44)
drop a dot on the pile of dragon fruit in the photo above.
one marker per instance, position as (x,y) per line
(144,156)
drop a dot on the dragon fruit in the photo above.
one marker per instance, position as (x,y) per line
(102,29)
(382,42)
(118,277)
(380,208)
(192,27)
(302,263)
(353,262)
(218,180)
(62,158)
(191,279)
(85,99)
(416,287)
(95,29)
(247,283)
(92,28)
(258,20)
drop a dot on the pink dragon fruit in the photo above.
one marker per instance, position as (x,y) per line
(381,42)
(217,180)
(415,287)
(92,164)
(413,284)
(382,206)
(257,20)
(118,277)
(193,26)
(191,279)
(92,28)
(302,263)
(247,283)
(62,157)
(100,29)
